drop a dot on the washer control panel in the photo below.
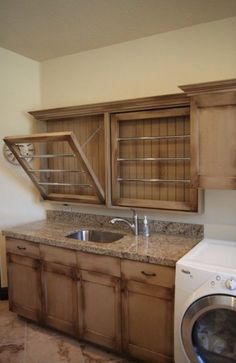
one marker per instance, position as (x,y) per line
(191,278)
(223,282)
(230,284)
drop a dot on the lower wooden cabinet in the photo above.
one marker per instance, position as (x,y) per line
(147,311)
(122,305)
(60,297)
(99,309)
(148,322)
(25,291)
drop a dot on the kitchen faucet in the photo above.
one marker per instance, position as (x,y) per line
(133,226)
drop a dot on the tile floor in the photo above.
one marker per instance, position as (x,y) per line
(24,342)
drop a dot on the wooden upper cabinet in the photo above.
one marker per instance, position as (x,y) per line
(213,114)
(153,152)
(59,167)
(152,159)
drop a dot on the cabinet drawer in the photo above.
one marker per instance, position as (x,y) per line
(58,255)
(148,273)
(98,263)
(22,247)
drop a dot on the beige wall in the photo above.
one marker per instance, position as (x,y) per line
(151,66)
(19,92)
(144,67)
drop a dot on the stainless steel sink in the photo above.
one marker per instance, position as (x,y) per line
(92,235)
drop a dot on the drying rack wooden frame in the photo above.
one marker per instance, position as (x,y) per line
(91,126)
(120,120)
(77,152)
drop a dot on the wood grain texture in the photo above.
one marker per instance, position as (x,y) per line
(209,87)
(80,294)
(22,247)
(60,297)
(99,309)
(146,103)
(162,137)
(115,172)
(61,143)
(107,158)
(73,198)
(89,132)
(103,264)
(214,146)
(58,255)
(148,273)
(25,293)
(150,336)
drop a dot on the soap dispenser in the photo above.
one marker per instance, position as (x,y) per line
(146,231)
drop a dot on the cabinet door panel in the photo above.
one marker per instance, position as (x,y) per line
(213,113)
(60,298)
(217,165)
(148,322)
(151,159)
(24,286)
(100,309)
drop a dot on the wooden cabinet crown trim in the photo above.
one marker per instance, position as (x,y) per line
(210,87)
(154,102)
(144,103)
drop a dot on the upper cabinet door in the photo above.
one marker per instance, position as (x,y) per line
(152,159)
(213,113)
(59,167)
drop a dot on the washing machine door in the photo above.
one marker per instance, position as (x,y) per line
(208,330)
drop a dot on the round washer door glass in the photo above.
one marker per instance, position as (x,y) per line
(209,330)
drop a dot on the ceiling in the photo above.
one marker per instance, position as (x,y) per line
(44,29)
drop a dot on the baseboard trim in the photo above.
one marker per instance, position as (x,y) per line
(3,293)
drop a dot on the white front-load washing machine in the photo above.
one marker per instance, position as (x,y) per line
(205,304)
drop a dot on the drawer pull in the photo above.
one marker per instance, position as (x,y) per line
(21,248)
(150,274)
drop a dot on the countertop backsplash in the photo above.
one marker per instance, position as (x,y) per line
(174,228)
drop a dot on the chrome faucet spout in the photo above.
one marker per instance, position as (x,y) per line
(133,226)
(115,220)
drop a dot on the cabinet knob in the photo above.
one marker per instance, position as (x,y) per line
(150,274)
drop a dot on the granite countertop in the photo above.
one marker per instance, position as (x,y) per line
(159,248)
